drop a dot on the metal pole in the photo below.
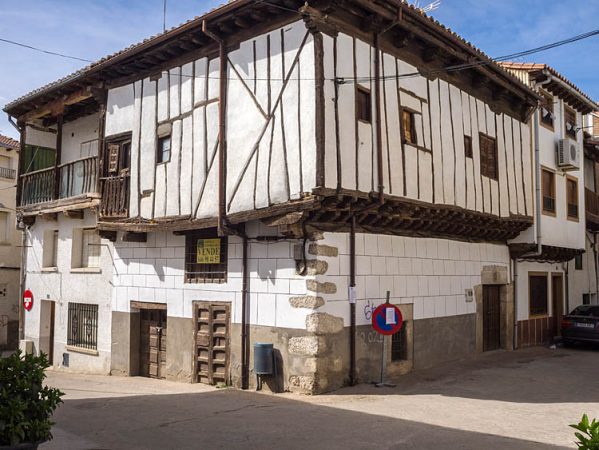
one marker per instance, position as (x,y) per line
(352,305)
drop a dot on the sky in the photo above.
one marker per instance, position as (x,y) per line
(91,29)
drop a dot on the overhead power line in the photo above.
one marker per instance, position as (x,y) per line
(48,52)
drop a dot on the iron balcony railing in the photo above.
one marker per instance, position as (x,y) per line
(5,172)
(75,178)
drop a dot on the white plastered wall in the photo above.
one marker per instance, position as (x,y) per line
(82,130)
(432,274)
(65,285)
(153,271)
(271,154)
(436,169)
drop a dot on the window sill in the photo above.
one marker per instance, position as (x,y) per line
(85,351)
(49,269)
(573,219)
(86,270)
(549,213)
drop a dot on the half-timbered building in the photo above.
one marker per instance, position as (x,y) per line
(546,254)
(265,173)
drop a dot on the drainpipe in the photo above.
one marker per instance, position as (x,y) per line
(565,267)
(352,305)
(596,272)
(379,132)
(515,295)
(245,353)
(23,276)
(222,139)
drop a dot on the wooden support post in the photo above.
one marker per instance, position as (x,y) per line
(59,122)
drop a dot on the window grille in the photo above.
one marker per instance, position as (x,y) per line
(205,258)
(83,326)
(399,345)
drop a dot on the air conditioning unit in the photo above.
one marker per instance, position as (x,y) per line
(568,154)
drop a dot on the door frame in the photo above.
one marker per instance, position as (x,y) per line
(136,308)
(557,305)
(485,289)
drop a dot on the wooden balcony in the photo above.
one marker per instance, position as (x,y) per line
(77,181)
(115,196)
(591,201)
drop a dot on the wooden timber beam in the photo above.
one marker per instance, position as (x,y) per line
(57,107)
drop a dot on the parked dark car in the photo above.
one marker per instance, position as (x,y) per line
(582,325)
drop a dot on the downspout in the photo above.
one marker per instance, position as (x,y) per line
(596,273)
(23,276)
(515,288)
(245,360)
(377,106)
(566,266)
(352,305)
(222,140)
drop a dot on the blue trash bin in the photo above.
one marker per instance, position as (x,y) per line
(263,359)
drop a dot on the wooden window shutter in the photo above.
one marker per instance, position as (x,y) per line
(113,158)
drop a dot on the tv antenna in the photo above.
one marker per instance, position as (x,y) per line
(428,8)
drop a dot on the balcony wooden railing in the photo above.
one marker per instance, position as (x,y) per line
(591,202)
(37,187)
(8,173)
(115,196)
(76,178)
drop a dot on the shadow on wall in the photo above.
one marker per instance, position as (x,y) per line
(235,419)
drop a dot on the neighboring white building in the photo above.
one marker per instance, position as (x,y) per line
(240,190)
(10,245)
(544,255)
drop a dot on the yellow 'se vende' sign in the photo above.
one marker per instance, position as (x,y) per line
(208,251)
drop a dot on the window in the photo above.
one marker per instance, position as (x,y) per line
(570,122)
(547,109)
(586,300)
(548,190)
(409,127)
(538,294)
(572,197)
(488,156)
(117,155)
(467,146)
(50,249)
(205,258)
(86,249)
(4,227)
(83,326)
(4,162)
(363,105)
(399,347)
(164,149)
(578,262)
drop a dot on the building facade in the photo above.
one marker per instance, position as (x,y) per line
(10,245)
(226,184)
(544,255)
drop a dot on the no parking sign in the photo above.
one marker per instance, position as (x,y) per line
(27,300)
(387,319)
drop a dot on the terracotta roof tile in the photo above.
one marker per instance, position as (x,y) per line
(8,142)
(197,20)
(538,67)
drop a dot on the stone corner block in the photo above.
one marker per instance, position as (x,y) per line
(321,287)
(302,384)
(323,323)
(306,301)
(306,345)
(323,250)
(494,275)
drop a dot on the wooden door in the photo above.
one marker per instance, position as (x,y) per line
(557,296)
(152,343)
(115,177)
(212,342)
(491,318)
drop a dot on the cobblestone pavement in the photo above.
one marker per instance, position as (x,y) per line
(503,400)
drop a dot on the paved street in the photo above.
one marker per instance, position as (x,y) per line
(519,400)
